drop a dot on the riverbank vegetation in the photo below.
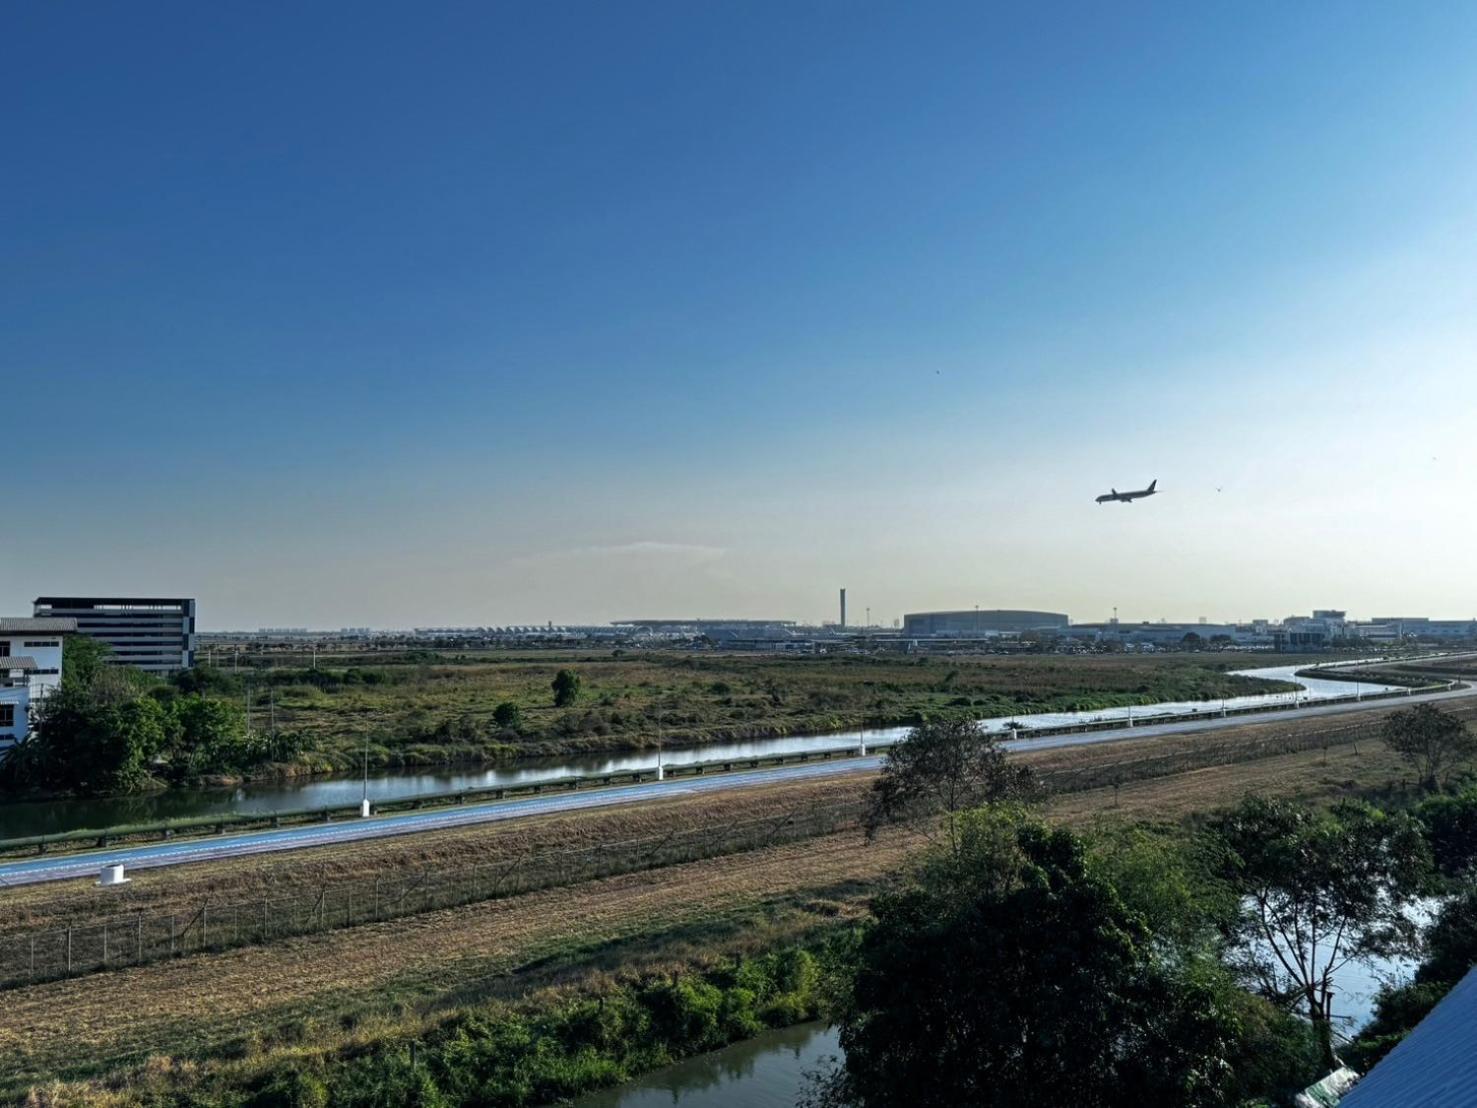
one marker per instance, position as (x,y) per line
(421,707)
(115,730)
(372,1006)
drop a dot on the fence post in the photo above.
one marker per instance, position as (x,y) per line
(33,957)
(204,925)
(172,922)
(140,935)
(105,946)
(69,949)
(266,921)
(376,898)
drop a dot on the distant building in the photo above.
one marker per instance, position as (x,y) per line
(155,634)
(30,668)
(1162,634)
(1428,630)
(980,622)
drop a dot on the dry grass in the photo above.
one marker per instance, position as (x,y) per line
(383,979)
(441,958)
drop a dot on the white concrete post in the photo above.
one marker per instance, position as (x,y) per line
(364,808)
(113,875)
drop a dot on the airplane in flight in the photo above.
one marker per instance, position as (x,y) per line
(1129,497)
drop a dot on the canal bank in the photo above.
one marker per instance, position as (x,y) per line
(37,818)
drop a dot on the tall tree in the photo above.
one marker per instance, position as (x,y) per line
(1433,741)
(566,688)
(1319,889)
(945,767)
(1015,973)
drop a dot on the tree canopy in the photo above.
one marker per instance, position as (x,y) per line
(1319,889)
(1432,741)
(1017,971)
(945,767)
(566,688)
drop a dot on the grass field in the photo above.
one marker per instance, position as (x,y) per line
(246,1009)
(422,708)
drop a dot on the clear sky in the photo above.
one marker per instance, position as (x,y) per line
(369,314)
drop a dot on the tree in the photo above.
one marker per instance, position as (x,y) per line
(1450,822)
(209,737)
(88,744)
(1451,952)
(507,715)
(84,660)
(1318,890)
(566,688)
(945,766)
(1432,741)
(1015,973)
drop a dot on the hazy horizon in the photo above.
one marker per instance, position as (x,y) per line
(355,316)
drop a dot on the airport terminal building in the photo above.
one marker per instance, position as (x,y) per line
(980,623)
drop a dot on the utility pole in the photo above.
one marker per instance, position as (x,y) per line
(661,773)
(364,803)
(246,701)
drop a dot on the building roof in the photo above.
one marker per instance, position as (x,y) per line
(39,625)
(113,601)
(1435,1065)
(21,662)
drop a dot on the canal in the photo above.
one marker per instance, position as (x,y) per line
(770,1071)
(19,819)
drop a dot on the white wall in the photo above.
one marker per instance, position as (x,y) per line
(21,699)
(47,657)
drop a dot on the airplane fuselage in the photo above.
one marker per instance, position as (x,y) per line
(1129,497)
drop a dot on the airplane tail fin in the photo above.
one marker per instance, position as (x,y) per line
(1113,490)
(1153,483)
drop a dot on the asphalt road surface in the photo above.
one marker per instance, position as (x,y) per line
(146,856)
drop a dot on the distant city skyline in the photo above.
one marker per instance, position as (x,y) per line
(353,315)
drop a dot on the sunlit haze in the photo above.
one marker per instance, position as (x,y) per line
(349,315)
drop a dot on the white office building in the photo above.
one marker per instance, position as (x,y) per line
(30,668)
(156,634)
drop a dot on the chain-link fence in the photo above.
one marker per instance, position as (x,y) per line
(213,926)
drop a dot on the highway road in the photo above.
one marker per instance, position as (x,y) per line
(146,856)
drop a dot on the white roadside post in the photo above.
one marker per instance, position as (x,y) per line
(113,875)
(364,802)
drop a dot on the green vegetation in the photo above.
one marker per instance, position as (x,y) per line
(1134,927)
(114,729)
(423,708)
(1067,969)
(501,1055)
(944,767)
(566,688)
(1319,889)
(1434,742)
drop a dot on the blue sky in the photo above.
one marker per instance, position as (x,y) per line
(452,313)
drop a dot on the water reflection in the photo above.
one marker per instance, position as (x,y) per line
(766,1072)
(19,819)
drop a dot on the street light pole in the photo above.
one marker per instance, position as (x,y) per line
(364,803)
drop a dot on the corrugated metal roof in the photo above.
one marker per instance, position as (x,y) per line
(1435,1065)
(18,662)
(40,625)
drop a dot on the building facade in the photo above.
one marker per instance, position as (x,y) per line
(980,622)
(155,634)
(30,668)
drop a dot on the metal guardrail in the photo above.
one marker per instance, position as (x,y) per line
(101,838)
